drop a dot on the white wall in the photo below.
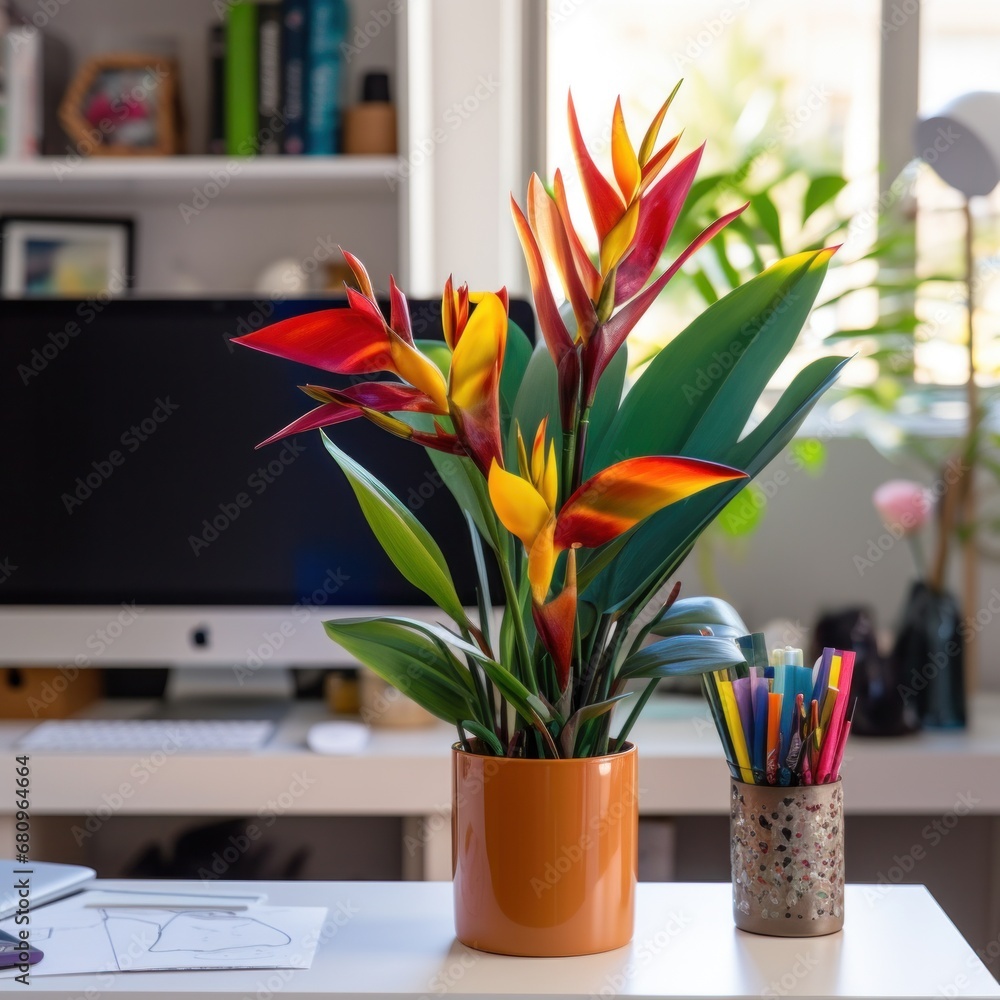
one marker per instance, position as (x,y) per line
(474,101)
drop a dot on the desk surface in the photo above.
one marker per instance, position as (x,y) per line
(396,940)
(407,772)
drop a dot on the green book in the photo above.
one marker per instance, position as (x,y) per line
(241,79)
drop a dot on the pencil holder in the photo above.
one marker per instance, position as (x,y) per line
(788,858)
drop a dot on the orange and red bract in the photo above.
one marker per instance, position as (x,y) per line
(358,341)
(633,218)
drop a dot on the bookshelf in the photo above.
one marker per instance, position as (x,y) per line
(251,211)
(172,177)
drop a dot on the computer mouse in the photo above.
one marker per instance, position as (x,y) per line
(337,737)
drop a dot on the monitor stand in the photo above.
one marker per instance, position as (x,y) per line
(217,693)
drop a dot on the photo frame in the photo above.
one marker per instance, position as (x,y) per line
(124,105)
(44,257)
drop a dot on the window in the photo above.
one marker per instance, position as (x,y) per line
(794,89)
(778,94)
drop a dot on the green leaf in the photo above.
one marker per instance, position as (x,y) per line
(767,215)
(726,355)
(704,286)
(483,588)
(486,735)
(405,540)
(902,323)
(412,663)
(776,430)
(530,706)
(694,399)
(772,333)
(691,614)
(657,546)
(517,354)
(682,655)
(466,484)
(718,247)
(739,227)
(821,190)
(526,703)
(537,397)
(712,184)
(567,738)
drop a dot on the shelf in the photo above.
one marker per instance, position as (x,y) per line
(182,177)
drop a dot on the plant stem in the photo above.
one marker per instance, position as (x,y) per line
(636,710)
(568,464)
(581,449)
(514,608)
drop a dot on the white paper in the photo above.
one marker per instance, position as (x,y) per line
(78,939)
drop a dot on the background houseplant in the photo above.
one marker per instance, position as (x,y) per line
(587,497)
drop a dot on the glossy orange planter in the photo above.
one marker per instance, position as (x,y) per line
(545,853)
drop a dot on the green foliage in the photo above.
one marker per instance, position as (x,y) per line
(405,540)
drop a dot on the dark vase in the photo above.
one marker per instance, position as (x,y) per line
(876,701)
(929,657)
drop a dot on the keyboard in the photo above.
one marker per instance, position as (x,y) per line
(146,735)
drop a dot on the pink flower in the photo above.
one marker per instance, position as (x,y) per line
(903,505)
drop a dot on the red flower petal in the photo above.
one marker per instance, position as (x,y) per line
(399,316)
(346,341)
(611,335)
(346,404)
(658,212)
(557,337)
(606,206)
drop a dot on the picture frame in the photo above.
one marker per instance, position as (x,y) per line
(124,105)
(46,257)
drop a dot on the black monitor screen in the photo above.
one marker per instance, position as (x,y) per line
(130,470)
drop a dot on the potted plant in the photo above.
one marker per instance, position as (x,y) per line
(587,497)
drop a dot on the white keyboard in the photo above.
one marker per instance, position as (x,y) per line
(147,735)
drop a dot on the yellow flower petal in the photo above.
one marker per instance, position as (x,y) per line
(623,158)
(520,507)
(475,365)
(538,454)
(550,481)
(617,241)
(523,465)
(649,139)
(542,557)
(418,370)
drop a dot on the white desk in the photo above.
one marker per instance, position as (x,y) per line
(407,773)
(396,940)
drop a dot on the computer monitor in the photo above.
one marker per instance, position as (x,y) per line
(138,525)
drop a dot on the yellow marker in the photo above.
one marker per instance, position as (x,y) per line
(834,679)
(732,713)
(826,712)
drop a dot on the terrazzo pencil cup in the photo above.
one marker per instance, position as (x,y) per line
(788,858)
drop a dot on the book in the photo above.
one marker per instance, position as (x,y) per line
(294,50)
(217,89)
(327,30)
(23,88)
(241,79)
(269,123)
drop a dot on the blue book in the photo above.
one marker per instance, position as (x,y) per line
(294,47)
(327,31)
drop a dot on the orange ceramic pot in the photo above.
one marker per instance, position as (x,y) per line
(545,852)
